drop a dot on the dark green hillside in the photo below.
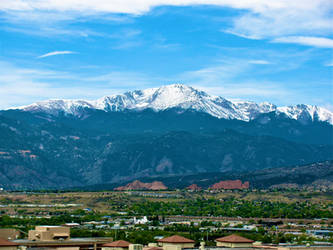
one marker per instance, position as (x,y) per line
(44,151)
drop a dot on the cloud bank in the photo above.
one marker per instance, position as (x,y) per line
(261,19)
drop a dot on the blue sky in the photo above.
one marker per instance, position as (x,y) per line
(277,51)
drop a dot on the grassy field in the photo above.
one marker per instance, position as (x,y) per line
(112,202)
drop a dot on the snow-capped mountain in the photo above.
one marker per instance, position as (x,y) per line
(184,97)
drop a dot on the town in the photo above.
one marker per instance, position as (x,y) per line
(136,217)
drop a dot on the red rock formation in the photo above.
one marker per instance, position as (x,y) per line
(138,185)
(157,185)
(194,187)
(236,184)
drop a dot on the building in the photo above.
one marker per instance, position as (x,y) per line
(175,242)
(135,247)
(116,245)
(58,238)
(153,248)
(234,241)
(8,245)
(71,244)
(320,233)
(9,233)
(49,233)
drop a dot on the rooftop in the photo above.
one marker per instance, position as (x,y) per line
(155,248)
(118,243)
(234,238)
(72,241)
(176,239)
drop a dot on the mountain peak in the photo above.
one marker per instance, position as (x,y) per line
(183,97)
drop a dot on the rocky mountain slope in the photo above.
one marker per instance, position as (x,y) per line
(310,176)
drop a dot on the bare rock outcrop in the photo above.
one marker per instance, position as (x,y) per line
(234,184)
(138,185)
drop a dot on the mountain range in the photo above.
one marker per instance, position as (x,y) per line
(174,130)
(182,97)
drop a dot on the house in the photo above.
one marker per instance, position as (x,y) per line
(153,248)
(116,245)
(234,241)
(7,245)
(175,242)
(49,233)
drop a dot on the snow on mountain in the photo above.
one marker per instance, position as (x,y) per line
(53,107)
(302,112)
(184,97)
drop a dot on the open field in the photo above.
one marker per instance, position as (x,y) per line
(114,202)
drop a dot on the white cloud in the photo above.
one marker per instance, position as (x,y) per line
(262,18)
(263,62)
(55,53)
(285,18)
(142,6)
(247,36)
(320,42)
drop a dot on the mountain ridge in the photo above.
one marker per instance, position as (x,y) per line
(183,97)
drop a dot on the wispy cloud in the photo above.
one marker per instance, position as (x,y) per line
(236,33)
(55,53)
(259,19)
(61,24)
(55,30)
(320,42)
(23,85)
(263,62)
(222,79)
